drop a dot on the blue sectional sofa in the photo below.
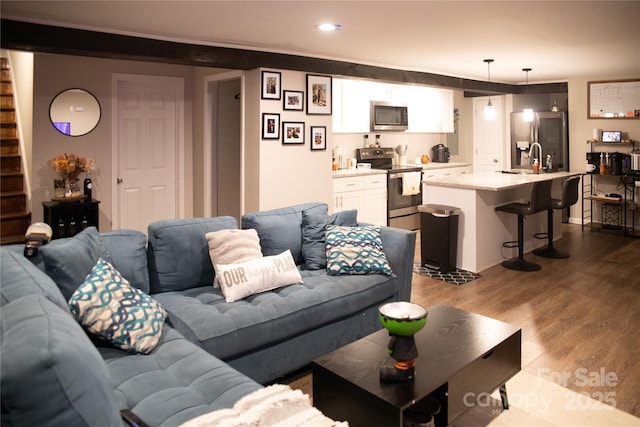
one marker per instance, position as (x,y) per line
(210,352)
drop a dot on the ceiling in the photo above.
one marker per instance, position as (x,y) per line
(558,40)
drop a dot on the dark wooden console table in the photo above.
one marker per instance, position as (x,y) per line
(69,218)
(462,356)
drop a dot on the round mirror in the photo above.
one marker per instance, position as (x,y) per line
(74,112)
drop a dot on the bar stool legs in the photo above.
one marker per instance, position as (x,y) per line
(549,251)
(539,201)
(520,264)
(569,197)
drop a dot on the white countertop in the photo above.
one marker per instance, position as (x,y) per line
(436,165)
(343,173)
(493,181)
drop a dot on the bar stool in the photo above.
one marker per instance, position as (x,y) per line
(569,197)
(538,202)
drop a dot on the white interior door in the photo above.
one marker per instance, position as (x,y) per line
(488,136)
(147,137)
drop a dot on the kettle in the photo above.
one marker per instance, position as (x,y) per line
(440,154)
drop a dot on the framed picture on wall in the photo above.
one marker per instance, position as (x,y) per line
(318,138)
(293,132)
(293,100)
(270,126)
(271,81)
(318,94)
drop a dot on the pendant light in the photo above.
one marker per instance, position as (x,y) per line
(489,109)
(528,112)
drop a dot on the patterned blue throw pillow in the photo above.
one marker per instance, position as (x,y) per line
(355,250)
(107,306)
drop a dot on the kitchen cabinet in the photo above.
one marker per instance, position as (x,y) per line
(441,173)
(367,194)
(374,209)
(430,109)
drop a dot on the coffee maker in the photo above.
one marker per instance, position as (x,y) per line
(440,154)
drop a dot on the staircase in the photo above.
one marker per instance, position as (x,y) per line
(14,217)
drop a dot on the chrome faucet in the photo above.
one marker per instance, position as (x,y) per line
(539,149)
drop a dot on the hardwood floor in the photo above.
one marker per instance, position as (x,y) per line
(579,316)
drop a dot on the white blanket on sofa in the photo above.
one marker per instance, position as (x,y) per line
(274,406)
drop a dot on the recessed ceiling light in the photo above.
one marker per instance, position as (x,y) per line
(329,27)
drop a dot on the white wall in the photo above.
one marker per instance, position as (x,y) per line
(54,73)
(289,174)
(581,130)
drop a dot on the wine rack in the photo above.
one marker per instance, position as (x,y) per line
(69,218)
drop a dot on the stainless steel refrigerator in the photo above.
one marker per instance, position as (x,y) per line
(550,130)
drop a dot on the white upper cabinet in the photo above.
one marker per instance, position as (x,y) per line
(350,106)
(430,109)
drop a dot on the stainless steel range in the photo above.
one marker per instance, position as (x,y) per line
(402,199)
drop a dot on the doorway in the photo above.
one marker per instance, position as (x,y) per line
(224,142)
(488,136)
(148,150)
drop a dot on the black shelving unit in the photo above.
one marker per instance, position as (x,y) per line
(69,218)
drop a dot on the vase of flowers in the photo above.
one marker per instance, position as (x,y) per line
(69,167)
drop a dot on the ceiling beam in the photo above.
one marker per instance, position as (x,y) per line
(25,36)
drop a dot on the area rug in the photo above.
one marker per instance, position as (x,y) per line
(458,277)
(533,402)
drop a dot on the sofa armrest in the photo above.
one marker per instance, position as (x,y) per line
(399,247)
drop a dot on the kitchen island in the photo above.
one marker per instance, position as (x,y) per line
(481,230)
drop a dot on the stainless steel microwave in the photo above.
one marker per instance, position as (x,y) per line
(389,116)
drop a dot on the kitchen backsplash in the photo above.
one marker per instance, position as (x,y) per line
(417,143)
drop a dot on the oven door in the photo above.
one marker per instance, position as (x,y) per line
(403,210)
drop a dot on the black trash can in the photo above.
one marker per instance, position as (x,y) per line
(439,236)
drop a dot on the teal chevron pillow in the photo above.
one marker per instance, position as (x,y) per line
(107,306)
(355,250)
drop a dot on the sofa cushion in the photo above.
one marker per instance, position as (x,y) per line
(355,250)
(229,330)
(281,229)
(19,277)
(128,251)
(68,261)
(176,382)
(51,373)
(258,275)
(178,252)
(314,249)
(107,306)
(232,246)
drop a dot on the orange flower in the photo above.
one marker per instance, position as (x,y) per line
(70,166)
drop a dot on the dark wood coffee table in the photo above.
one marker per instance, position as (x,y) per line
(462,356)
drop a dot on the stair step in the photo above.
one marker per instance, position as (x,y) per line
(11,181)
(9,146)
(5,75)
(8,130)
(12,239)
(8,116)
(6,88)
(6,101)
(13,202)
(14,223)
(10,163)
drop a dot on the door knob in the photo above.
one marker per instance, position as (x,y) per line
(119,180)
(495,160)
